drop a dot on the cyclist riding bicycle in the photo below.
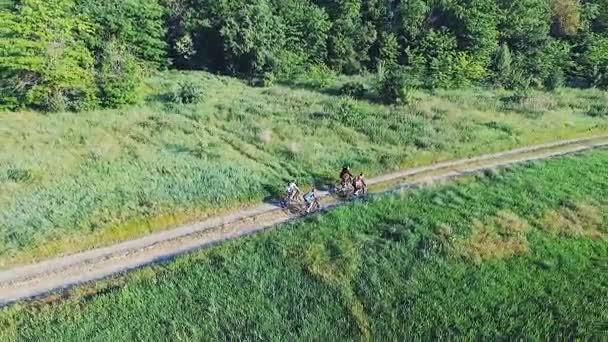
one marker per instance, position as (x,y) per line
(292,191)
(311,201)
(359,184)
(345,176)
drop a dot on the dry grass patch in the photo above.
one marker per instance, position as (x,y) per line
(498,237)
(575,219)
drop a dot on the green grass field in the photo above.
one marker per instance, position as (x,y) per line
(72,181)
(520,254)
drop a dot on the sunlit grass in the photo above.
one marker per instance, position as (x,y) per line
(476,259)
(72,181)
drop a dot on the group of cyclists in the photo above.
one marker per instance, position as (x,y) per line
(359,187)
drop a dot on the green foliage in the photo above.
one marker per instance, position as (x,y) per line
(252,36)
(120,76)
(525,25)
(354,89)
(566,17)
(187,92)
(593,62)
(389,50)
(444,44)
(394,88)
(43,65)
(555,80)
(600,108)
(306,29)
(445,67)
(320,76)
(136,24)
(350,39)
(503,66)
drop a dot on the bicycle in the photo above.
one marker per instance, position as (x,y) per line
(344,189)
(289,200)
(310,208)
(360,192)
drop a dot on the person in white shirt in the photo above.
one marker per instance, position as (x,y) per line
(292,191)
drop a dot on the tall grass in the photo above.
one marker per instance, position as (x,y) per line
(476,259)
(76,180)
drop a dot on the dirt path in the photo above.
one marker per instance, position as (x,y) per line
(26,282)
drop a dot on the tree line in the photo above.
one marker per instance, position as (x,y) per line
(80,54)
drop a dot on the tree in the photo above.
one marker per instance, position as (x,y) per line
(525,24)
(119,77)
(389,50)
(599,16)
(306,28)
(525,28)
(503,65)
(42,63)
(136,24)
(252,37)
(566,17)
(592,64)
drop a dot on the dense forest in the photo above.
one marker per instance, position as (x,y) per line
(79,54)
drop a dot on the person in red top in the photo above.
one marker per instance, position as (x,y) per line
(359,184)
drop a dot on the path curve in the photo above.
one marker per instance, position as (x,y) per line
(38,279)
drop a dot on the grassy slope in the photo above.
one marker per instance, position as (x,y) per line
(522,253)
(72,181)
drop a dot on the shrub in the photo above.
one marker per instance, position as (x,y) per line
(389,49)
(555,80)
(18,175)
(187,92)
(533,105)
(119,77)
(503,66)
(354,89)
(598,109)
(518,81)
(394,88)
(345,111)
(265,79)
(320,76)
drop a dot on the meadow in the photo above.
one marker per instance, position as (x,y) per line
(72,181)
(519,254)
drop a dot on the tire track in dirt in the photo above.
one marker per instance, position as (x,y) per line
(30,281)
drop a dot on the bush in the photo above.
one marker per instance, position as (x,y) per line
(265,79)
(187,92)
(320,76)
(354,89)
(518,81)
(555,80)
(393,88)
(119,77)
(529,104)
(599,109)
(18,175)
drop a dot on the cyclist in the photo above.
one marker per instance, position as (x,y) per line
(345,176)
(359,184)
(311,201)
(292,191)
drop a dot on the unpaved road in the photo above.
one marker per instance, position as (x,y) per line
(30,281)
